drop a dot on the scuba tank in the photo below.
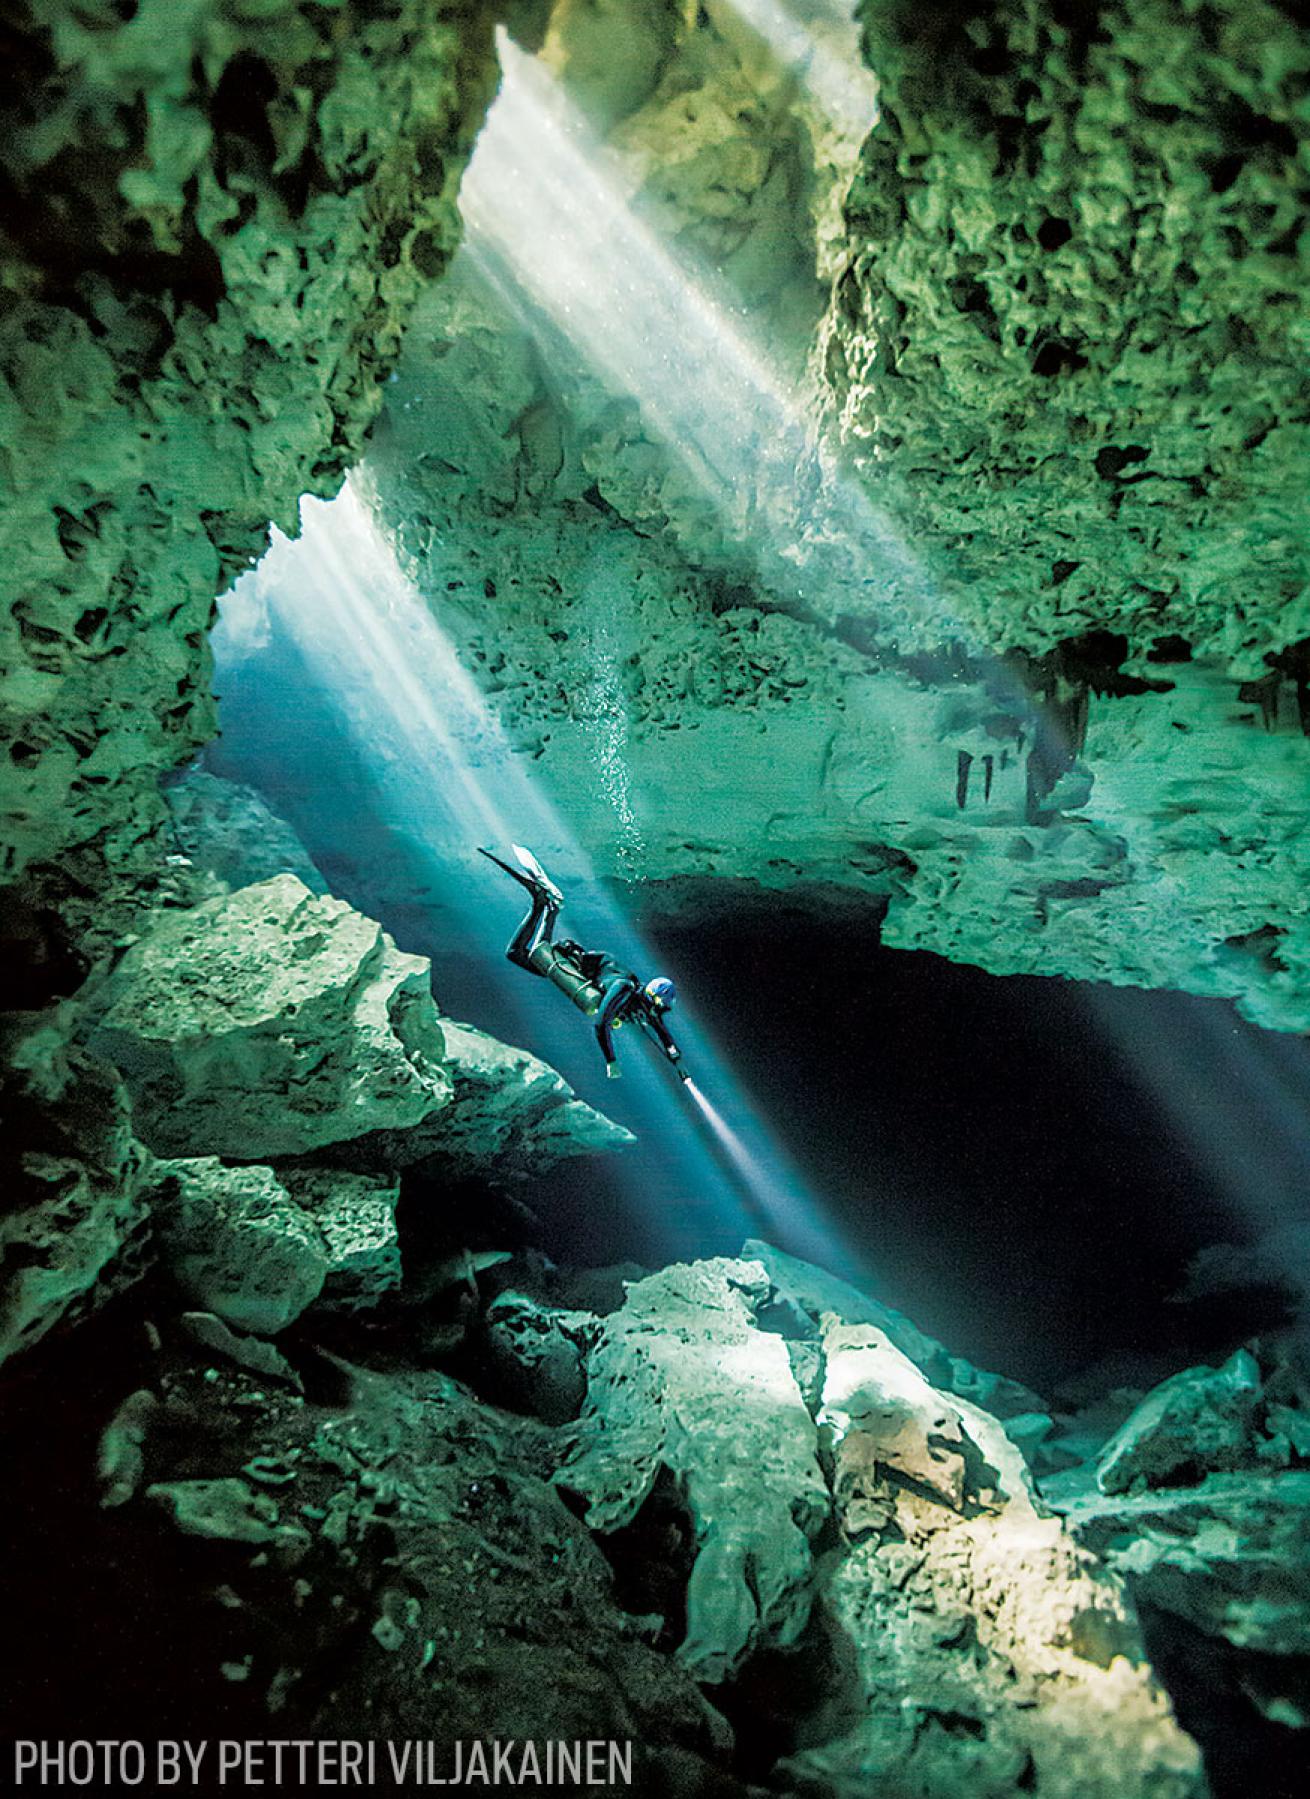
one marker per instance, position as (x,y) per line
(586,995)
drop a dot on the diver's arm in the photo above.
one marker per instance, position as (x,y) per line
(617,996)
(654,1026)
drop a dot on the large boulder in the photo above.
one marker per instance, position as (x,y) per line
(682,1384)
(1201,1421)
(271,1022)
(971,1645)
(990,1654)
(238,1244)
(356,1215)
(258,1246)
(510,1115)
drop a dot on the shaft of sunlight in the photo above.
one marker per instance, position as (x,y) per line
(543,199)
(449,779)
(818,43)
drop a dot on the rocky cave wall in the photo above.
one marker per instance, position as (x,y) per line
(1067,346)
(216,220)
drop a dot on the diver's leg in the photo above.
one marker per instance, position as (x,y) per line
(536,929)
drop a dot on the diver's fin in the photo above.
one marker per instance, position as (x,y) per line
(513,873)
(529,862)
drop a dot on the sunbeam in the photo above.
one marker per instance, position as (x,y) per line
(447,779)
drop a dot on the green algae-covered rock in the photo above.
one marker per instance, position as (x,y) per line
(272,1022)
(1201,1421)
(237,1244)
(356,1216)
(73,1226)
(1067,350)
(510,1115)
(219,216)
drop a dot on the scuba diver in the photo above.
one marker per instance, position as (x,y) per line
(595,982)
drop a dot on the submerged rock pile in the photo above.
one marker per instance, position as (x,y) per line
(1200,1500)
(281,1064)
(984,1652)
(377,1551)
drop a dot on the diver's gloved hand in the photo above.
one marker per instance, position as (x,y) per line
(613,1070)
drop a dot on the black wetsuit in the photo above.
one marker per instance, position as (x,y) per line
(597,984)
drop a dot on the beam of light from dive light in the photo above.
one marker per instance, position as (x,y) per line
(769,1200)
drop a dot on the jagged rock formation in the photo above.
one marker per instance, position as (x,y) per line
(271,1023)
(1064,348)
(986,1652)
(1199,1501)
(215,228)
(962,1595)
(267,1023)
(237,1244)
(681,1384)
(394,1566)
(356,1216)
(257,1246)
(384,1555)
(73,1227)
(1202,1418)
(510,1114)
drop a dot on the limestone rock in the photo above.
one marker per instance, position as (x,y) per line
(680,1382)
(1050,235)
(205,347)
(120,1459)
(237,1244)
(73,1232)
(510,1114)
(815,1292)
(1203,1420)
(885,1417)
(246,1352)
(232,833)
(226,1511)
(991,1654)
(510,1111)
(356,1216)
(1230,1555)
(272,1022)
(538,1353)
